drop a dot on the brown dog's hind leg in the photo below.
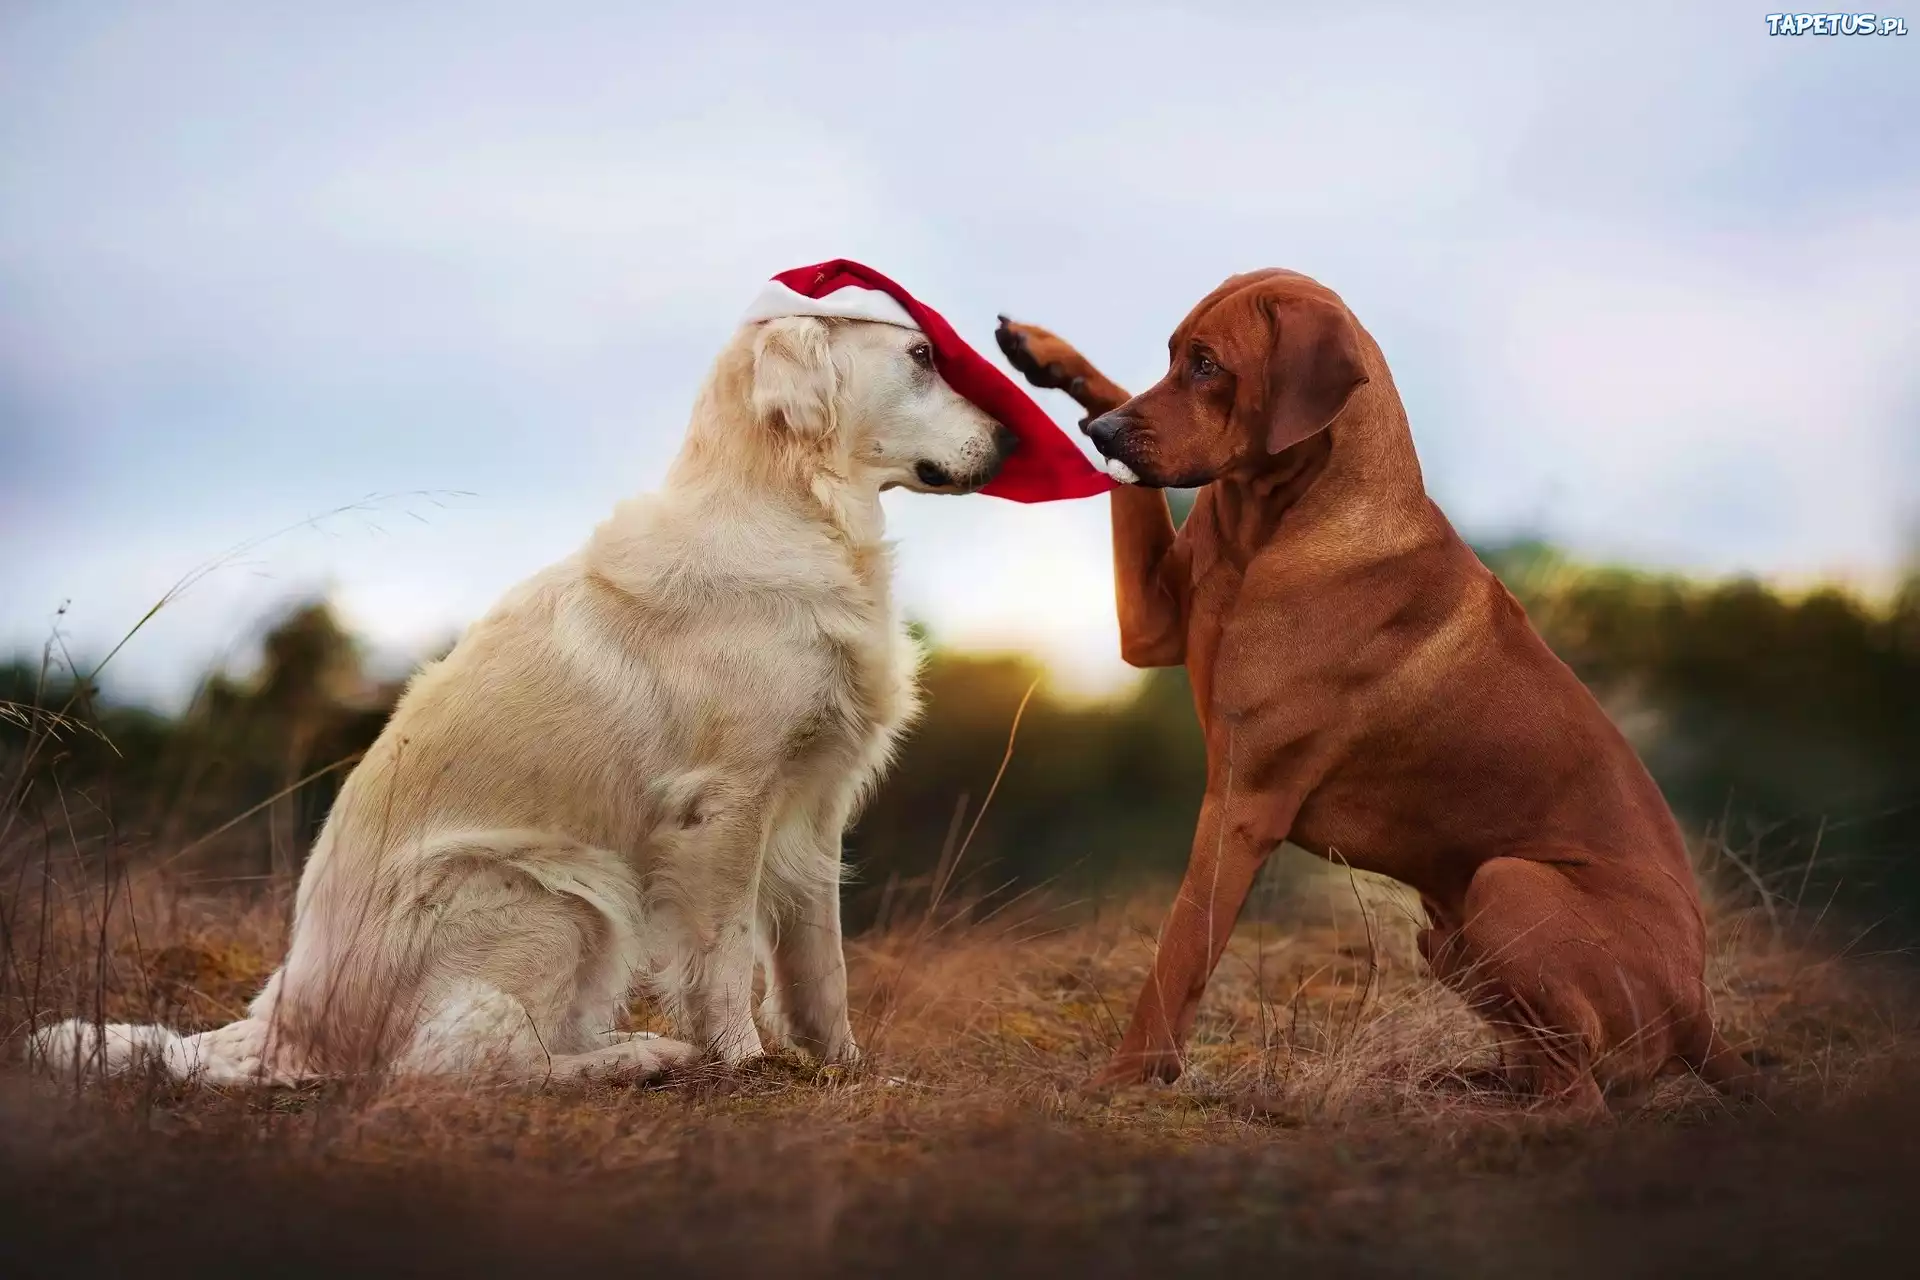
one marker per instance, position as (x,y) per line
(1549,1064)
(1519,957)
(1051,362)
(1536,1060)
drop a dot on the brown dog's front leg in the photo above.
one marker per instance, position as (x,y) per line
(1233,838)
(1149,576)
(1150,579)
(1051,362)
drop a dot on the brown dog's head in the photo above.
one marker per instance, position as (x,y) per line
(1266,361)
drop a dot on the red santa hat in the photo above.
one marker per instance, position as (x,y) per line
(1047,465)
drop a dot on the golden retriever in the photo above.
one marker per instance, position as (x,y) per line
(637,769)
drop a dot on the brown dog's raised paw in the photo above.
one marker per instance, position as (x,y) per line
(1041,358)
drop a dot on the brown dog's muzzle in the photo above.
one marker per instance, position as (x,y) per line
(1119,437)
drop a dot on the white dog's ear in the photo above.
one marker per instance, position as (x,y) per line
(793,376)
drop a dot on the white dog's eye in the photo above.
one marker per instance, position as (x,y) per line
(922,354)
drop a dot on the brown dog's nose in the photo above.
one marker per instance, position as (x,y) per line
(1103,429)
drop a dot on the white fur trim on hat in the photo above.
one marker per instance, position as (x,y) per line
(848,303)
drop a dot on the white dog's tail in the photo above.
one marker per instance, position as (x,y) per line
(245,1052)
(233,1054)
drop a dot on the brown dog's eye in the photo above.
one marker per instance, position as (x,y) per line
(1203,365)
(922,354)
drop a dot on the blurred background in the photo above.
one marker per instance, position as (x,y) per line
(370,310)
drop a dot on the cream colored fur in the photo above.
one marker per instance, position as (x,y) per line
(636,770)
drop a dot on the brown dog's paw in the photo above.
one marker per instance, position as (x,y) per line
(1043,359)
(1757,1081)
(1751,1077)
(1129,1069)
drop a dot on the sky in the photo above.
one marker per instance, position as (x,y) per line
(1649,282)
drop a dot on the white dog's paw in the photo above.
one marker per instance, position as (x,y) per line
(844,1054)
(739,1046)
(658,1055)
(833,1048)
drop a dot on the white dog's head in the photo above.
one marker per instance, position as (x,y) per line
(864,398)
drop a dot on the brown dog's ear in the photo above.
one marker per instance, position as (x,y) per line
(1313,368)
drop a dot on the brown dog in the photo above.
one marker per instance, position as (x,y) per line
(1370,691)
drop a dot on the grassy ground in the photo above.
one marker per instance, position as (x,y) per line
(1332,1118)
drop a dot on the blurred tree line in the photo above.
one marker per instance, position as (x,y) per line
(1785,727)
(239,782)
(1788,727)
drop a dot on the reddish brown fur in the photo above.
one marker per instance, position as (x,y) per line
(1369,690)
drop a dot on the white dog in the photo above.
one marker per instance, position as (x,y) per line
(637,769)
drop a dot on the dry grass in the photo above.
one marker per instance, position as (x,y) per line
(1333,1090)
(1332,1083)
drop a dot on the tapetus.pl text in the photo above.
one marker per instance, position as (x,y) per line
(1835,24)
